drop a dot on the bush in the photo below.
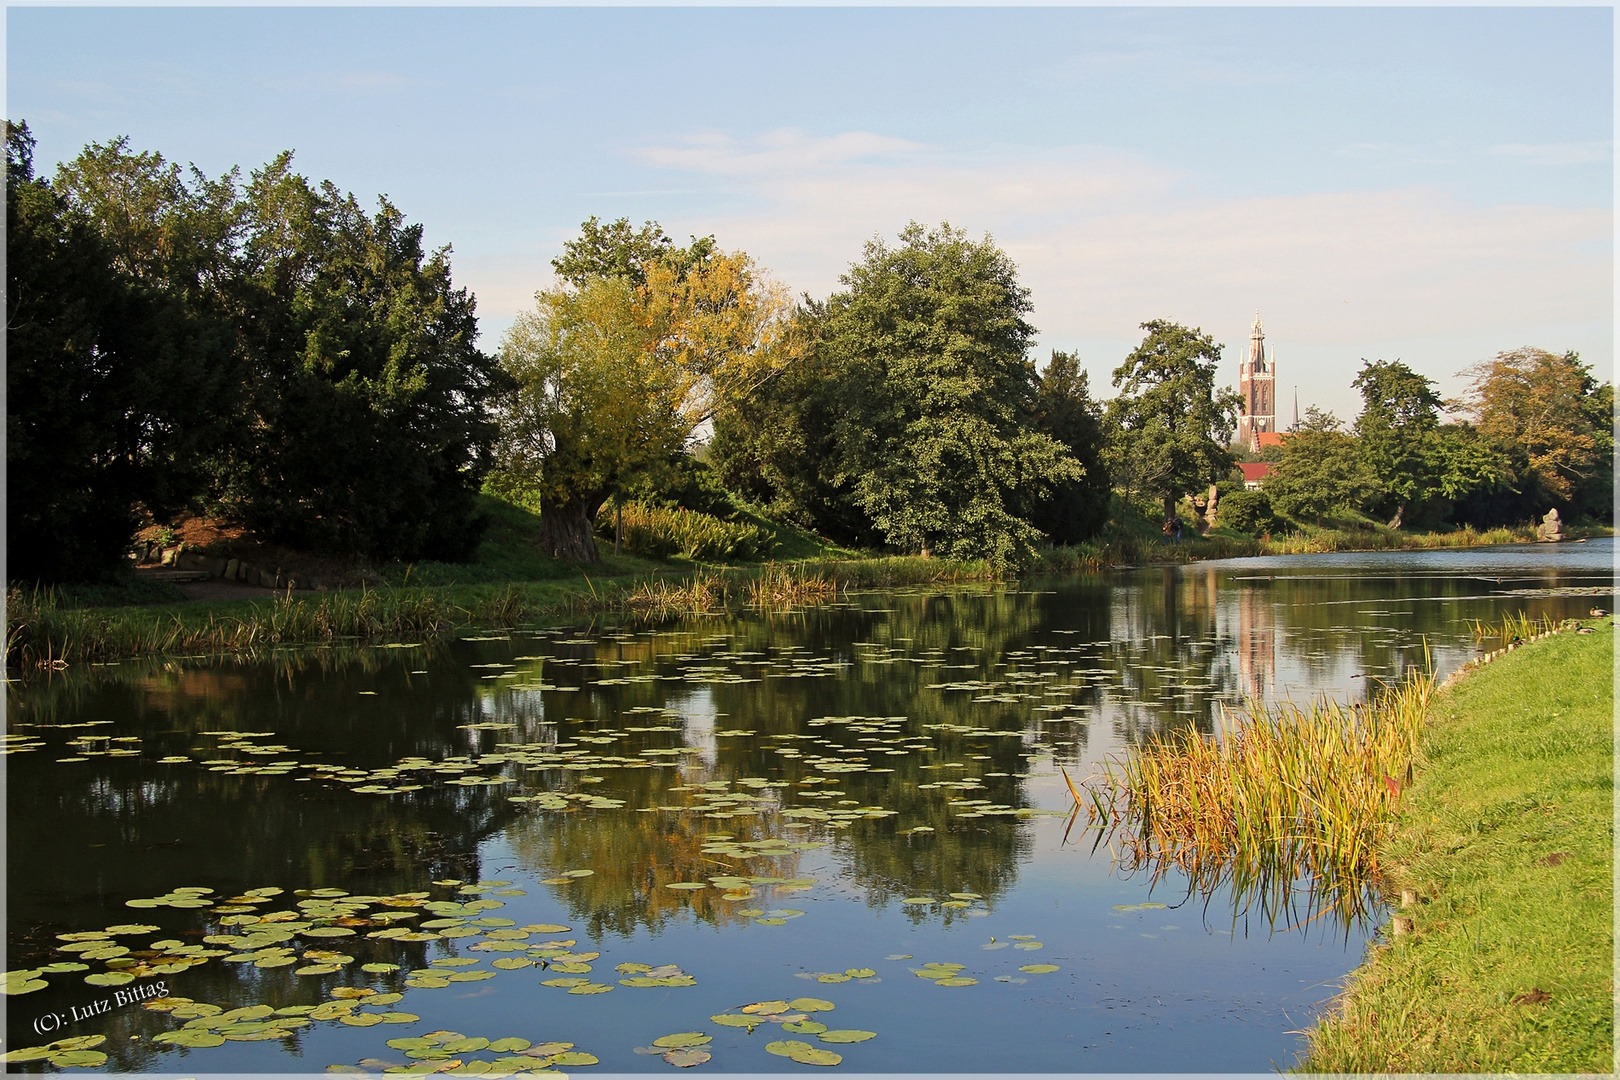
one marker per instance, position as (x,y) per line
(655,532)
(1247,512)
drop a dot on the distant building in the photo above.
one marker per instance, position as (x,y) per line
(1253,473)
(1257,385)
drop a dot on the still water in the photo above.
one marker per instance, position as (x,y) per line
(849,820)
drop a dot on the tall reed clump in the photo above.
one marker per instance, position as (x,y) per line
(1287,809)
(1513,629)
(655,532)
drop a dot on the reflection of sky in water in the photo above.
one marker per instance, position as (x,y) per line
(950,708)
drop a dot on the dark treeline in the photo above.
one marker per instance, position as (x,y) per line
(265,352)
(261,346)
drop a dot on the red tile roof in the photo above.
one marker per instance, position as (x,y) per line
(1255,471)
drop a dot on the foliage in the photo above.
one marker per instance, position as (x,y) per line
(368,428)
(1248,512)
(912,416)
(1321,470)
(1169,424)
(1551,414)
(1399,432)
(615,250)
(319,366)
(109,393)
(657,532)
(1076,510)
(613,375)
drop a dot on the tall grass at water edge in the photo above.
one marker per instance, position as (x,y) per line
(1289,793)
(43,631)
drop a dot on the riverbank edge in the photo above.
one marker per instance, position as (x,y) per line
(43,633)
(1500,957)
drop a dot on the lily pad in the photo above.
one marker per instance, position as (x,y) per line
(687,885)
(682,1040)
(685,1059)
(846,1035)
(509,1045)
(956,980)
(810,1004)
(805,1027)
(1040,969)
(574,1057)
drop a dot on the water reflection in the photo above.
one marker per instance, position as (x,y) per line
(894,746)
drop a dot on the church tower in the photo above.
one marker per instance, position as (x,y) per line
(1257,379)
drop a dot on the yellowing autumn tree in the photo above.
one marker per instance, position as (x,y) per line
(1551,411)
(615,371)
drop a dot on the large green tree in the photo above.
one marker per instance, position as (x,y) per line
(1170,424)
(354,400)
(109,390)
(934,397)
(1320,470)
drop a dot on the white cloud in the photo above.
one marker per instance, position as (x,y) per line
(1106,239)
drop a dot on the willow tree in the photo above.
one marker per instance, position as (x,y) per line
(614,374)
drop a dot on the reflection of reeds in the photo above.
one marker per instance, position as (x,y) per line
(1286,810)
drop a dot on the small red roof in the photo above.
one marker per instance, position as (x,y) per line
(1270,438)
(1255,471)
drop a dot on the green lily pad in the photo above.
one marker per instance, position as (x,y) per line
(687,885)
(109,978)
(378,969)
(918,900)
(846,1035)
(735,1020)
(956,980)
(810,1004)
(805,1027)
(80,1059)
(25,986)
(860,973)
(574,1057)
(590,988)
(509,1045)
(682,1040)
(32,1053)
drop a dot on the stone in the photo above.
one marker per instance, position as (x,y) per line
(232,568)
(267,579)
(1551,529)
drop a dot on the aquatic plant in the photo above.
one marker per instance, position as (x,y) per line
(1513,629)
(1286,809)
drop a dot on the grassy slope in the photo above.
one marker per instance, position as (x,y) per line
(1517,766)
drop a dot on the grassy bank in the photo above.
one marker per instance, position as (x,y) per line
(42,630)
(1504,851)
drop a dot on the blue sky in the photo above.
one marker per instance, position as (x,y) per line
(1431,184)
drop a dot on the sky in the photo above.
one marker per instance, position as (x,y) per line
(1434,185)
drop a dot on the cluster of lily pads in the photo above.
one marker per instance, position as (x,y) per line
(75,1052)
(452,1052)
(794,1017)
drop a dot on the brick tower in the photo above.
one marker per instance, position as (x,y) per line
(1257,379)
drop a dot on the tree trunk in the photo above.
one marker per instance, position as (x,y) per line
(1400,512)
(565,531)
(1169,507)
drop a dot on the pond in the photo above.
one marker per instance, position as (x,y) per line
(751,844)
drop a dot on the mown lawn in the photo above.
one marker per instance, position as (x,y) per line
(1507,839)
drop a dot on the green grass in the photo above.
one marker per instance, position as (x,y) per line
(1516,767)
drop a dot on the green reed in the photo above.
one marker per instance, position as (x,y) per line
(1514,628)
(1289,795)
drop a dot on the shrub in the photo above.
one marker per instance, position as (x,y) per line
(1247,512)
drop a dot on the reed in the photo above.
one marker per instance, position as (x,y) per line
(1287,809)
(1514,629)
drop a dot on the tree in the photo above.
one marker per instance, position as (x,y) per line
(1552,412)
(368,428)
(931,398)
(1399,432)
(1064,409)
(106,389)
(1169,424)
(1321,470)
(615,250)
(615,371)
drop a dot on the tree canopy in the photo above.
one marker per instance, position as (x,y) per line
(614,371)
(1170,423)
